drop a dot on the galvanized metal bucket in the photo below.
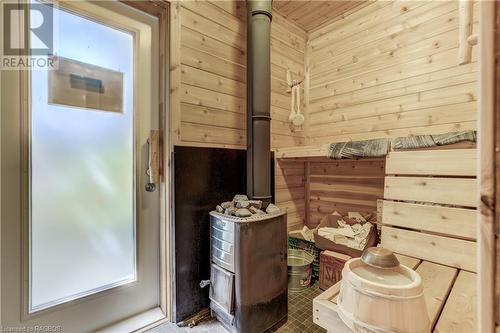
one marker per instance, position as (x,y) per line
(299,269)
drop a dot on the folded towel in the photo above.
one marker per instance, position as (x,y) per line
(359,149)
(427,141)
(305,233)
(381,147)
(354,236)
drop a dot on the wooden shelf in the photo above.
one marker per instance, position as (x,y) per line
(302,152)
(457,152)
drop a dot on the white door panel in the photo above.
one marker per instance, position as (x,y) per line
(79,232)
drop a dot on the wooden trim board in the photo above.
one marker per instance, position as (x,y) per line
(325,311)
(453,162)
(488,141)
(443,250)
(457,222)
(452,191)
(302,151)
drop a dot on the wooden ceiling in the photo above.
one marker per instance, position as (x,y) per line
(311,14)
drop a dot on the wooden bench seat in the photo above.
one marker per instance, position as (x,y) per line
(450,296)
(428,216)
(302,151)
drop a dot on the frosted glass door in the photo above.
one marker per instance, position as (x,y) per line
(82,167)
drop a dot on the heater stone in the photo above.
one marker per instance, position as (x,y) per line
(240,197)
(226,204)
(242,204)
(243,212)
(255,203)
(272,209)
(256,211)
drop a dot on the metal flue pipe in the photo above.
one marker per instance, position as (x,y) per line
(259,100)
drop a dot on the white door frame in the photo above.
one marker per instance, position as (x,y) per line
(13,290)
(162,10)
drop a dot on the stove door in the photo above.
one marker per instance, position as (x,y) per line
(222,288)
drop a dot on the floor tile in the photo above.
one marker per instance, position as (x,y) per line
(299,317)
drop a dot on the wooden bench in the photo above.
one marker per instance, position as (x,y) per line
(322,150)
(428,217)
(450,295)
(302,151)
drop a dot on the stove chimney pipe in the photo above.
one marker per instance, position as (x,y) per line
(259,100)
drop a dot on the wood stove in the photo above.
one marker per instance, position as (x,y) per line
(248,289)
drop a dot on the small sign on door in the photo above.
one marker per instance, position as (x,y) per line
(83,85)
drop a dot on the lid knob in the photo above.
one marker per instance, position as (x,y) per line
(379,257)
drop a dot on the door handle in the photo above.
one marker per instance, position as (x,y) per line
(153,170)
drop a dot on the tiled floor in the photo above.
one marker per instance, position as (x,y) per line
(300,312)
(211,326)
(299,317)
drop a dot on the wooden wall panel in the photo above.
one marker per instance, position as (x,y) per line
(208,74)
(287,52)
(423,214)
(441,162)
(390,69)
(290,191)
(490,168)
(458,222)
(448,191)
(442,250)
(208,86)
(344,186)
(311,14)
(212,75)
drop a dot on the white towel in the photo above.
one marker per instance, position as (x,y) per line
(354,236)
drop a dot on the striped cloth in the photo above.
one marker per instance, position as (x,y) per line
(359,149)
(426,141)
(381,147)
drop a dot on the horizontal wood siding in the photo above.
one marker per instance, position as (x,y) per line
(458,222)
(430,212)
(211,86)
(208,74)
(450,191)
(390,69)
(290,191)
(443,250)
(344,186)
(287,52)
(311,14)
(452,162)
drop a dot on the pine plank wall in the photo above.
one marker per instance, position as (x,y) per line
(390,69)
(208,56)
(385,69)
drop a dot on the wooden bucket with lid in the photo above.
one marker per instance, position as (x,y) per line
(379,295)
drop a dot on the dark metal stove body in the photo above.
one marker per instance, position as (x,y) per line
(249,272)
(248,290)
